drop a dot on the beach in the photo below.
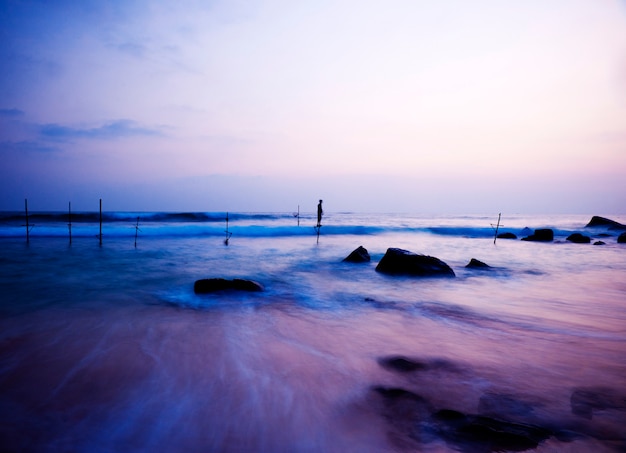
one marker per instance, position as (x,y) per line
(107,347)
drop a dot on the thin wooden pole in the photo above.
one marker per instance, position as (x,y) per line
(136,231)
(495,236)
(228,233)
(100,221)
(298,215)
(69,220)
(27,226)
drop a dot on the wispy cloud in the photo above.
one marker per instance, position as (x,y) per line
(11,113)
(27,146)
(113,130)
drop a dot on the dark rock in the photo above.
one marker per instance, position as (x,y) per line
(501,404)
(585,400)
(401,364)
(599,243)
(597,221)
(402,262)
(578,238)
(621,239)
(507,236)
(481,433)
(541,235)
(358,255)
(477,264)
(405,365)
(210,285)
(526,231)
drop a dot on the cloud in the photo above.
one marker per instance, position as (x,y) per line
(11,113)
(113,130)
(27,146)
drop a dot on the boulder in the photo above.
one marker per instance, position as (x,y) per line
(526,231)
(211,285)
(621,239)
(541,235)
(507,236)
(578,238)
(482,433)
(477,264)
(412,415)
(585,400)
(597,221)
(599,243)
(358,255)
(402,262)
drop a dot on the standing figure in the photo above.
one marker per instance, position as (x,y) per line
(320,212)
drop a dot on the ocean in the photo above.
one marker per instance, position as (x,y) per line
(105,347)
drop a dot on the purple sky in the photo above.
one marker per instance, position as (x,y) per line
(407,106)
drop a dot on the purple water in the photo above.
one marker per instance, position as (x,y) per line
(107,348)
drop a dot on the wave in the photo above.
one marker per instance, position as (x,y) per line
(242,224)
(144,217)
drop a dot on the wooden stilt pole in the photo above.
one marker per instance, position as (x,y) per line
(27,226)
(100,235)
(228,233)
(69,221)
(136,231)
(495,236)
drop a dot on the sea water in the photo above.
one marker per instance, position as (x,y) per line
(105,346)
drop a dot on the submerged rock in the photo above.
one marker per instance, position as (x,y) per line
(585,400)
(541,235)
(477,264)
(507,236)
(621,239)
(597,221)
(211,285)
(599,243)
(487,434)
(358,255)
(578,238)
(416,420)
(406,365)
(402,262)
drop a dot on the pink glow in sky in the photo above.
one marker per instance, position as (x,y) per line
(417,106)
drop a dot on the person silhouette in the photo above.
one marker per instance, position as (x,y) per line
(320,212)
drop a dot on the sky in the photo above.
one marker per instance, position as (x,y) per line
(421,106)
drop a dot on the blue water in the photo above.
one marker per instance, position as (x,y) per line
(105,347)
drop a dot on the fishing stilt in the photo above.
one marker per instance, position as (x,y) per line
(495,236)
(228,233)
(27,226)
(137,230)
(69,220)
(100,235)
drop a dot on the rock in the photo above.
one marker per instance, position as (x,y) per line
(487,434)
(621,239)
(414,419)
(507,236)
(599,243)
(211,285)
(585,400)
(402,262)
(358,255)
(541,235)
(578,238)
(406,365)
(526,231)
(476,264)
(597,221)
